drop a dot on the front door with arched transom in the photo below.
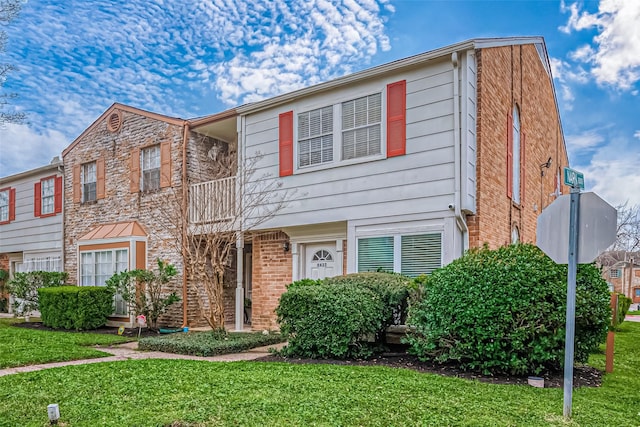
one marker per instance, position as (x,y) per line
(320,260)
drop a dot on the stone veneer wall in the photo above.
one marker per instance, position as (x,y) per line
(507,76)
(150,209)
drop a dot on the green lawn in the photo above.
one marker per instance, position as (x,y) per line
(191,393)
(19,346)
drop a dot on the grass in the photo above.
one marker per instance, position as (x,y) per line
(183,393)
(209,343)
(21,346)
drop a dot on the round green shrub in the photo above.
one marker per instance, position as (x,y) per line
(329,321)
(503,310)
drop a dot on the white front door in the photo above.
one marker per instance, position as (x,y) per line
(320,261)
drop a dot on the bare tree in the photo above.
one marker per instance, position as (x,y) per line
(627,237)
(206,226)
(9,10)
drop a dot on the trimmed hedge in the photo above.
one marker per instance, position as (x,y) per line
(208,343)
(504,311)
(75,307)
(624,303)
(341,317)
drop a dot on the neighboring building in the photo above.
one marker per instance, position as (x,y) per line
(622,273)
(31,220)
(403,166)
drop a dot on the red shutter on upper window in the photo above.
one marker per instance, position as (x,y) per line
(37,199)
(12,204)
(100,177)
(134,169)
(165,165)
(285,129)
(396,118)
(509,155)
(523,170)
(58,195)
(76,184)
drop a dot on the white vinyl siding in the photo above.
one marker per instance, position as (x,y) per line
(97,267)
(315,137)
(48,196)
(361,127)
(150,166)
(411,255)
(4,205)
(88,179)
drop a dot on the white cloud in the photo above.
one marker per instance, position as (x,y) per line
(615,54)
(29,149)
(613,177)
(637,134)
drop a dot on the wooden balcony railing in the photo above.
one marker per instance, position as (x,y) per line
(212,201)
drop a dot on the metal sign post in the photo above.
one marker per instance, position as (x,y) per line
(574,216)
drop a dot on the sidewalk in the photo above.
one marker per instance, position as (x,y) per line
(129,351)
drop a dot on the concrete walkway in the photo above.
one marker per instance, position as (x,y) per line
(129,351)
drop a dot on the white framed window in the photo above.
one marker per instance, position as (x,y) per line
(408,254)
(315,137)
(47,190)
(89,182)
(516,155)
(150,166)
(4,205)
(614,273)
(361,127)
(97,267)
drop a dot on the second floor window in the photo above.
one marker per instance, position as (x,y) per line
(315,137)
(48,196)
(361,135)
(614,273)
(4,206)
(150,165)
(88,180)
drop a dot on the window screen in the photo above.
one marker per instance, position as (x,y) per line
(420,254)
(375,254)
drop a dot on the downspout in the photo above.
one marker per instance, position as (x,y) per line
(185,217)
(460,220)
(239,318)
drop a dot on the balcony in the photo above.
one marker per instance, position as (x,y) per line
(212,201)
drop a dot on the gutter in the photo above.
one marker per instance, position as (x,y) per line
(460,220)
(185,227)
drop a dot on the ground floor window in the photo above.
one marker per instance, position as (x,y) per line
(97,267)
(411,254)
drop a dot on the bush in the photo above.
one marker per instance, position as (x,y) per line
(75,307)
(504,311)
(208,343)
(24,287)
(393,290)
(624,303)
(330,321)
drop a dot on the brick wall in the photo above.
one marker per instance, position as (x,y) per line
(4,262)
(150,209)
(508,76)
(271,273)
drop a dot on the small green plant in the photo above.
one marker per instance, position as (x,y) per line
(146,291)
(24,287)
(4,296)
(624,303)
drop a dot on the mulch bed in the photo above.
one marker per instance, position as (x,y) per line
(108,330)
(584,376)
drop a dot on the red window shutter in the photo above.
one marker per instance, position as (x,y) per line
(523,170)
(58,195)
(134,169)
(165,165)
(396,118)
(12,204)
(37,202)
(509,156)
(285,129)
(100,177)
(76,184)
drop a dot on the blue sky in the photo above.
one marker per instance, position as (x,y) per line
(194,58)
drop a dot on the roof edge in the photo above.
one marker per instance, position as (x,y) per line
(51,166)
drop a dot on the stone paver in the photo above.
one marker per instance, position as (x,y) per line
(129,351)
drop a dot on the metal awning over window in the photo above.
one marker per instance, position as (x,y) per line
(116,230)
